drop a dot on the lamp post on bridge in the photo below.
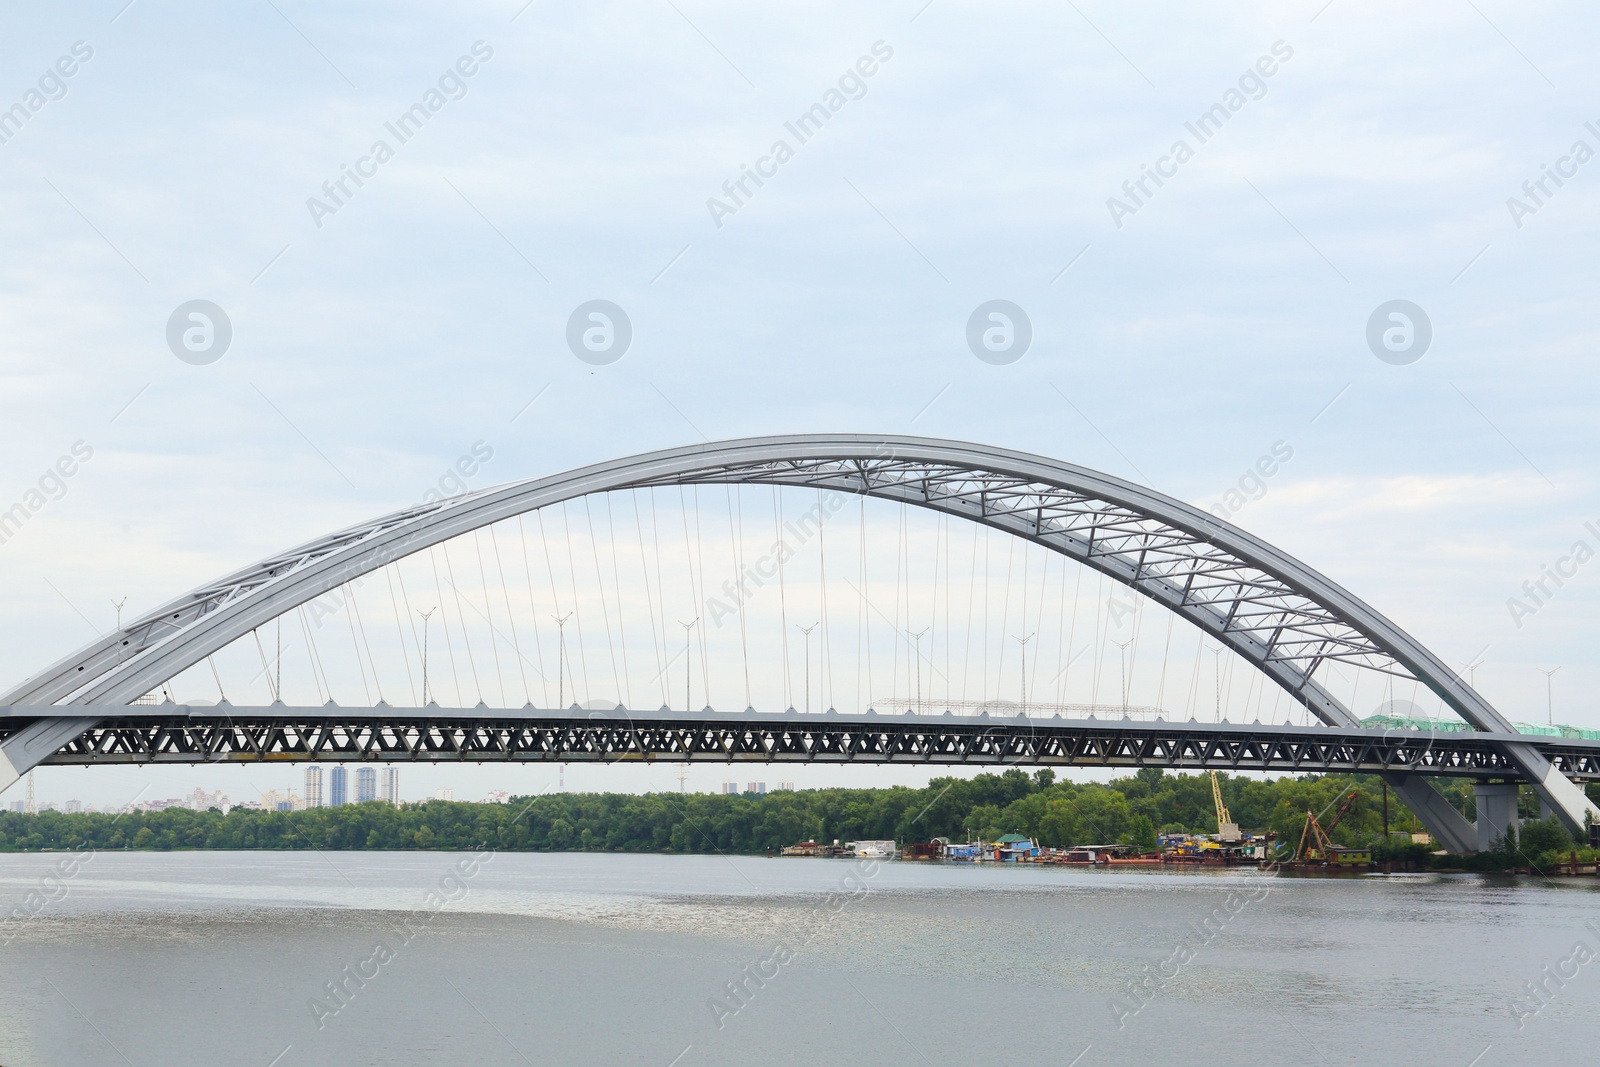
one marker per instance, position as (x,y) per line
(807,631)
(426,615)
(561,661)
(918,638)
(688,663)
(1216,677)
(1549,704)
(1122,648)
(1023,641)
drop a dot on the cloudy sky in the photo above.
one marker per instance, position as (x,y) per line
(1178,334)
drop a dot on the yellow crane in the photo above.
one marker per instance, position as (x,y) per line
(1227,829)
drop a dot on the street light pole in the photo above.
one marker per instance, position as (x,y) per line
(1122,647)
(1023,641)
(807,631)
(1549,705)
(688,673)
(561,658)
(918,638)
(1216,675)
(426,615)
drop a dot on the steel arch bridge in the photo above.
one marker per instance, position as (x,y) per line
(1279,615)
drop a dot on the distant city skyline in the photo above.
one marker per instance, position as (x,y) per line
(114,788)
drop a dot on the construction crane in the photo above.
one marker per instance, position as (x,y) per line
(1322,845)
(1227,829)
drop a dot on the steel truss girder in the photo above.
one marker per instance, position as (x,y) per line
(1153,543)
(180,734)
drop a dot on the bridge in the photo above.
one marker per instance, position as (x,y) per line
(1297,631)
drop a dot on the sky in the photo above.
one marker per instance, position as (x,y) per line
(1179,331)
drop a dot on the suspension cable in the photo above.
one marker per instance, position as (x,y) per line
(1072,632)
(1166,651)
(899,585)
(1005,616)
(533,606)
(649,596)
(605,611)
(444,620)
(864,623)
(311,655)
(488,615)
(822,564)
(1194,676)
(349,621)
(355,609)
(705,666)
(215,676)
(577,615)
(399,632)
(739,578)
(783,596)
(1038,615)
(972,588)
(1101,613)
(511,616)
(461,616)
(622,614)
(265,670)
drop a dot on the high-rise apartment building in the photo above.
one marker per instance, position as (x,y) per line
(389,788)
(366,784)
(314,797)
(338,788)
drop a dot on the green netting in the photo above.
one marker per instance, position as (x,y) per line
(1456,726)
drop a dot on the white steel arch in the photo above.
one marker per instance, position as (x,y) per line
(1280,615)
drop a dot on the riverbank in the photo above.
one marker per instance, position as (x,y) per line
(1136,812)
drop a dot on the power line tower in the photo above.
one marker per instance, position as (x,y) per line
(28,805)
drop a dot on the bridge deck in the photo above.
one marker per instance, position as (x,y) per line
(176,733)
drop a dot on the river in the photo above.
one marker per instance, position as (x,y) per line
(289,959)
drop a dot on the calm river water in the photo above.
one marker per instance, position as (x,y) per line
(162,960)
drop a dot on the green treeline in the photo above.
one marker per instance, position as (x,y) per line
(1057,813)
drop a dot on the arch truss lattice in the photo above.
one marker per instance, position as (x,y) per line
(1278,614)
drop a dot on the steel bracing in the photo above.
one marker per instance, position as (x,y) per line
(1281,616)
(172,733)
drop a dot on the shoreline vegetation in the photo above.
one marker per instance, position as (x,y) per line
(1060,814)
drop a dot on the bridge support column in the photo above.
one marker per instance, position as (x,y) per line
(1561,794)
(1450,829)
(1497,811)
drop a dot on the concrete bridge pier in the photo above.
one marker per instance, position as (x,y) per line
(1497,811)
